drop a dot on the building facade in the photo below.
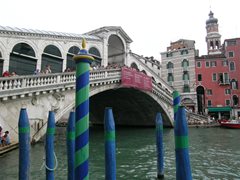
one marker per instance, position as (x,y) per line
(217,75)
(178,69)
(24,51)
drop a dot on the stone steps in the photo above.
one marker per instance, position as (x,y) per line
(8,148)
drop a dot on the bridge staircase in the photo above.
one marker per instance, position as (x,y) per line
(196,119)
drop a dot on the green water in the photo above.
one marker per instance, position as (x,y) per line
(214,154)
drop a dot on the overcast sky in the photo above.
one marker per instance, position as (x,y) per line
(151,24)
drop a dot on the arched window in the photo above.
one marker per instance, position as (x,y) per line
(170,78)
(53,57)
(235,100)
(211,45)
(217,44)
(96,54)
(185,63)
(70,62)
(186,88)
(169,65)
(22,59)
(134,65)
(185,76)
(116,50)
(232,66)
(234,84)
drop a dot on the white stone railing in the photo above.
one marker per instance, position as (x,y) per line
(21,86)
(164,94)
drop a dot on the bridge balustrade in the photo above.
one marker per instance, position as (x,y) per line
(36,84)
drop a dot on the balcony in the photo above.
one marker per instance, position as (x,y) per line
(224,82)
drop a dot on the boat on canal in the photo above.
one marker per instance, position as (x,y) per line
(233,124)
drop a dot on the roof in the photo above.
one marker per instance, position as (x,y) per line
(232,39)
(43,32)
(213,56)
(110,28)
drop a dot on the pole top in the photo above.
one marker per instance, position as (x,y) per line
(84,43)
(83,55)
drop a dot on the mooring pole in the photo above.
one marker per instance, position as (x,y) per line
(110,145)
(24,145)
(71,145)
(49,146)
(176,103)
(183,168)
(83,61)
(159,142)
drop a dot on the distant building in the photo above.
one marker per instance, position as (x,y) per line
(208,84)
(217,75)
(178,69)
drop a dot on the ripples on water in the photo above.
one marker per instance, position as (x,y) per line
(214,153)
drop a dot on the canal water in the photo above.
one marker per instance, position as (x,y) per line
(214,154)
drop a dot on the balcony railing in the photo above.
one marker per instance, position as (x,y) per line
(224,82)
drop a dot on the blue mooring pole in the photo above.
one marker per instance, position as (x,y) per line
(71,145)
(110,145)
(183,168)
(24,145)
(49,146)
(159,142)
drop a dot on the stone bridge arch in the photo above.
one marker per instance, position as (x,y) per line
(140,110)
(126,102)
(40,94)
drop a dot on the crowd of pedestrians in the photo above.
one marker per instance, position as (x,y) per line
(4,138)
(8,74)
(48,70)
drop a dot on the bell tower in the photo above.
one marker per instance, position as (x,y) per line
(213,37)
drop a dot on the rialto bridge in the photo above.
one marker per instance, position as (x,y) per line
(23,51)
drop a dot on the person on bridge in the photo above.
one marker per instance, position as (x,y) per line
(48,69)
(5,139)
(6,74)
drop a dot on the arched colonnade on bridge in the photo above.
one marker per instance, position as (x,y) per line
(24,51)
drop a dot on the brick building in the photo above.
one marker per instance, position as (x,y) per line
(217,75)
(208,84)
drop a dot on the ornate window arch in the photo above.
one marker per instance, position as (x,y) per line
(170,65)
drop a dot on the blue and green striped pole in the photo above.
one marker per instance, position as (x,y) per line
(159,142)
(71,145)
(49,146)
(24,145)
(83,60)
(183,168)
(176,103)
(110,145)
